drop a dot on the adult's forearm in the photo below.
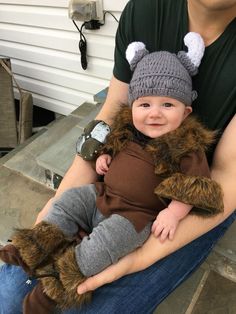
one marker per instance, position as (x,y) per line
(188,230)
(116,97)
(80,173)
(44,211)
(153,250)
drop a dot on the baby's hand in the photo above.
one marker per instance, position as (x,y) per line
(165,224)
(102,164)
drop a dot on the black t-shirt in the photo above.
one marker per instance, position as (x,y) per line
(162,25)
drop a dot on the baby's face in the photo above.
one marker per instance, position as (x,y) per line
(157,115)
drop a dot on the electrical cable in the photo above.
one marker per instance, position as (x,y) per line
(104,17)
(82,46)
(83,42)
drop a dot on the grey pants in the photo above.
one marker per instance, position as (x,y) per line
(109,238)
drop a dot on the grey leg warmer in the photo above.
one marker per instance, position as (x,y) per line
(76,207)
(112,239)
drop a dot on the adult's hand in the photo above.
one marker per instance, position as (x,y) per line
(123,267)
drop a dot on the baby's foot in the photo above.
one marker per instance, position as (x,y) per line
(37,244)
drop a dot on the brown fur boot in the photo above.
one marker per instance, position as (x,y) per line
(36,245)
(46,254)
(64,290)
(58,285)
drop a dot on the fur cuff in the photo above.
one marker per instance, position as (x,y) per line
(64,290)
(201,192)
(37,244)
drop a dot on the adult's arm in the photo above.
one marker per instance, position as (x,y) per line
(190,228)
(81,172)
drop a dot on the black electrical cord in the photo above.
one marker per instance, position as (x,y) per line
(83,41)
(82,46)
(104,16)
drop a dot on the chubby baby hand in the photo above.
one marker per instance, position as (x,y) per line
(102,164)
(165,224)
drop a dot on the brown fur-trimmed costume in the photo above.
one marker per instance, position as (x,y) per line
(176,157)
(179,162)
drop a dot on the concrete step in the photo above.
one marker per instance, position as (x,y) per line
(21,199)
(211,288)
(53,148)
(223,257)
(217,296)
(56,144)
(179,301)
(58,157)
(205,292)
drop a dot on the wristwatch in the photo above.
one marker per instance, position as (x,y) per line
(91,140)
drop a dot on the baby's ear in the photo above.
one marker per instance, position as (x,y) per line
(135,52)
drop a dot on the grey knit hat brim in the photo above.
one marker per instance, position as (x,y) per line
(161,85)
(176,94)
(161,74)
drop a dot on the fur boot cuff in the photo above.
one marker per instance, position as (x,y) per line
(64,290)
(201,192)
(37,244)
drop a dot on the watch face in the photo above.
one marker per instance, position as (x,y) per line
(100,132)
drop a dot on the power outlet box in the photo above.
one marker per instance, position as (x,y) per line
(86,10)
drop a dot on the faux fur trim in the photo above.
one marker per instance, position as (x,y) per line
(51,258)
(71,277)
(64,290)
(37,244)
(122,131)
(168,149)
(200,192)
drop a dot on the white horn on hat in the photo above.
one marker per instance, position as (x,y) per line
(196,47)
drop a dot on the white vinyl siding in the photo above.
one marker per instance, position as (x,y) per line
(42,43)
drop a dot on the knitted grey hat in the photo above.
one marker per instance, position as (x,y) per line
(163,73)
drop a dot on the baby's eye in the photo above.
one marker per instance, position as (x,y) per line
(167,104)
(145,105)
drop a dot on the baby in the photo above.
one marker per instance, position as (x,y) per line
(155,172)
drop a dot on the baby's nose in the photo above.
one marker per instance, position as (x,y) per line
(155,112)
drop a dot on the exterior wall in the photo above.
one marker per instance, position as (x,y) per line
(42,43)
